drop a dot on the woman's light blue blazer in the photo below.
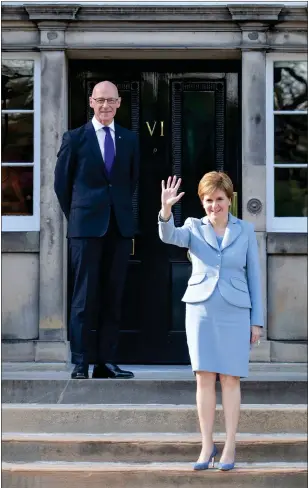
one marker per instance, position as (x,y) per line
(233,268)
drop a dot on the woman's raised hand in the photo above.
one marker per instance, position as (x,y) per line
(169,195)
(169,191)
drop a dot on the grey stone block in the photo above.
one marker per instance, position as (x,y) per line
(26,38)
(18,351)
(51,351)
(20,280)
(289,352)
(20,242)
(286,243)
(282,38)
(261,353)
(287,298)
(49,335)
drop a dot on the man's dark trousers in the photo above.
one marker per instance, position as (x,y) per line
(98,267)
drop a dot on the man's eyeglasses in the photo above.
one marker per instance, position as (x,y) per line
(101,101)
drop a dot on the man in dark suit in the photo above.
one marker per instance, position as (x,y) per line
(95,178)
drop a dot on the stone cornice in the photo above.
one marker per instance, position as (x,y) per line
(300,14)
(169,13)
(13,12)
(255,13)
(56,12)
(240,13)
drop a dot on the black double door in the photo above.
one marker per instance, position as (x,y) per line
(187,117)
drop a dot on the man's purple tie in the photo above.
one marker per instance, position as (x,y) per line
(108,150)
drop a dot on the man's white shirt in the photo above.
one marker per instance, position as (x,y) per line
(101,134)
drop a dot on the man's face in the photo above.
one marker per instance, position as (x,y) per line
(105,102)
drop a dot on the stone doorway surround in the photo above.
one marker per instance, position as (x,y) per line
(77,30)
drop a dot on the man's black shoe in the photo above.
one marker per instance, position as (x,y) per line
(110,370)
(80,372)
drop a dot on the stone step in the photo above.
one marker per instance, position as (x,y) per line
(164,384)
(151,447)
(97,419)
(66,391)
(257,371)
(152,475)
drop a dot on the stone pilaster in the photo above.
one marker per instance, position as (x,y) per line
(52,293)
(254,157)
(253,138)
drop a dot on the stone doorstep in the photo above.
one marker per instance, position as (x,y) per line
(258,371)
(150,437)
(146,418)
(151,475)
(261,468)
(143,408)
(38,390)
(142,448)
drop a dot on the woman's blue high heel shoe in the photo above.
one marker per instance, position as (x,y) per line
(200,466)
(226,466)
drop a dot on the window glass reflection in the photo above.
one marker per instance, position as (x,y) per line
(17,138)
(17,190)
(291,195)
(290,85)
(291,139)
(17,84)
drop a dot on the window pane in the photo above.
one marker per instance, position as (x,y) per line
(290,85)
(17,190)
(17,84)
(17,138)
(291,196)
(291,139)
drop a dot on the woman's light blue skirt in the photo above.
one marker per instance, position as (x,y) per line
(218,336)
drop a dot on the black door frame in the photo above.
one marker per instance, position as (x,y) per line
(228,71)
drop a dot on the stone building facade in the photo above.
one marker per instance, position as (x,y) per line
(42,45)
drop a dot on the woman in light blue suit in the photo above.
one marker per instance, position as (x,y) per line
(223,303)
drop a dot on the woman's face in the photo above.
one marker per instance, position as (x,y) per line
(216,205)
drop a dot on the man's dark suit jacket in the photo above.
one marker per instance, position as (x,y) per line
(85,190)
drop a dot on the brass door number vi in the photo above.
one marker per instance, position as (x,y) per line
(152,129)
